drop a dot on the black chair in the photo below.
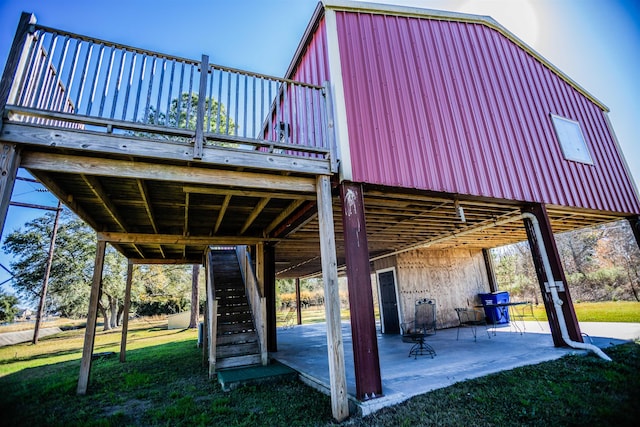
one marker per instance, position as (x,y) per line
(423,325)
(471,318)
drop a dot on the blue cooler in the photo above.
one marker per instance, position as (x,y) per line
(495,315)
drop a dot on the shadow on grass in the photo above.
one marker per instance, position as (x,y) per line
(161,384)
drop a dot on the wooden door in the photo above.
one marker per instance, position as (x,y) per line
(389,303)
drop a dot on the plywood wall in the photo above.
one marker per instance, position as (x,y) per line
(453,277)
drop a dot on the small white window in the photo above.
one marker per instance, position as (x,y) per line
(571,139)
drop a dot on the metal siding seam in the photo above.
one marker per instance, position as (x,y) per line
(635,195)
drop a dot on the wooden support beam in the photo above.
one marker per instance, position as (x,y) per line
(254,214)
(185,230)
(92,317)
(125,315)
(246,193)
(223,210)
(549,243)
(144,193)
(172,239)
(9,163)
(101,143)
(282,216)
(335,345)
(162,172)
(363,322)
(164,261)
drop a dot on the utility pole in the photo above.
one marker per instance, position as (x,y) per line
(47,271)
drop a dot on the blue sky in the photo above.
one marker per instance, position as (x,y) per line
(595,42)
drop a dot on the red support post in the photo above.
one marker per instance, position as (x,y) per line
(549,242)
(363,326)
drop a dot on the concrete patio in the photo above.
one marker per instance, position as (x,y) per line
(304,348)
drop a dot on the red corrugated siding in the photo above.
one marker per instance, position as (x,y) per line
(313,65)
(459,108)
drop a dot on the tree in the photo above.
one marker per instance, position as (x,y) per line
(182,114)
(71,269)
(8,307)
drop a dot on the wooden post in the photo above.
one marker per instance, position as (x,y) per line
(363,323)
(195,298)
(198,144)
(9,163)
(549,243)
(298,308)
(269,278)
(212,314)
(92,317)
(125,314)
(491,272)
(47,271)
(335,346)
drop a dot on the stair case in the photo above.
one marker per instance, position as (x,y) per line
(238,341)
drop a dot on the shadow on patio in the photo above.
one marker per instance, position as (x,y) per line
(304,348)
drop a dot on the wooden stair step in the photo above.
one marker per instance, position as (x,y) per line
(236,328)
(234,362)
(239,338)
(233,350)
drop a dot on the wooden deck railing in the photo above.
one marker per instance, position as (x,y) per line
(69,80)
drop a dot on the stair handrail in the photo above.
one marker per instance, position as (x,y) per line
(257,300)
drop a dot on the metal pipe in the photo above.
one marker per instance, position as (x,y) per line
(557,302)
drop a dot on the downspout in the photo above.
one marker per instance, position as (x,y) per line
(557,302)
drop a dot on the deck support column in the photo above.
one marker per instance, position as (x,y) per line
(335,345)
(125,314)
(212,317)
(269,277)
(549,243)
(92,317)
(298,307)
(9,163)
(363,322)
(491,272)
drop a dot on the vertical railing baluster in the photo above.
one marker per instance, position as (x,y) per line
(198,147)
(85,69)
(190,98)
(156,120)
(143,71)
(254,118)
(63,55)
(96,76)
(108,81)
(294,137)
(152,78)
(219,101)
(228,115)
(116,92)
(132,69)
(210,98)
(179,98)
(49,55)
(167,118)
(72,72)
(262,105)
(245,108)
(237,107)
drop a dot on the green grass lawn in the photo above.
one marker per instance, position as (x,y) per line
(163,383)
